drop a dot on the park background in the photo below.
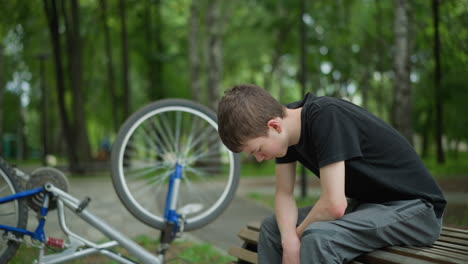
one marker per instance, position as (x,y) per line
(72,71)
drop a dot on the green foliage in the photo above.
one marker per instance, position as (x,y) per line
(349,50)
(455,166)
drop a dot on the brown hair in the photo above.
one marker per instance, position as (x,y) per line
(243,114)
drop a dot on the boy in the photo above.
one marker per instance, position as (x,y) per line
(375,190)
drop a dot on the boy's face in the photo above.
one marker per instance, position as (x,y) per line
(268,147)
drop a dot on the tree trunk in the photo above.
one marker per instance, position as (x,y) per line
(154,50)
(437,89)
(214,52)
(379,48)
(402,106)
(2,92)
(75,69)
(194,57)
(303,77)
(50,7)
(159,64)
(125,79)
(78,92)
(110,67)
(426,133)
(281,35)
(44,111)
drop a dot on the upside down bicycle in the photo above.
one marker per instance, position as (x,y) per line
(169,169)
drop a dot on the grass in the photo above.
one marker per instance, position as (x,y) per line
(455,166)
(181,252)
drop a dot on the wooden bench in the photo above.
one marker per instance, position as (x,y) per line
(451,247)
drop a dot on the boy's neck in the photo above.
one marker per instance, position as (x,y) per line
(292,124)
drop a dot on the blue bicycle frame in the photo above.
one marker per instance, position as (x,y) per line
(171,216)
(39,234)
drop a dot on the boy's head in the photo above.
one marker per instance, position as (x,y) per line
(244,113)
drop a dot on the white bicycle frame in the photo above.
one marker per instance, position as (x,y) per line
(75,248)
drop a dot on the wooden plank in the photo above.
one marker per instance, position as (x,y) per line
(249,235)
(454,234)
(384,257)
(421,254)
(458,251)
(244,254)
(442,252)
(254,225)
(452,240)
(455,229)
(450,245)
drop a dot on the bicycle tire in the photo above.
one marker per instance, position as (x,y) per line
(128,145)
(17,218)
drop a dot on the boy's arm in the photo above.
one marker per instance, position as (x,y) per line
(286,209)
(332,202)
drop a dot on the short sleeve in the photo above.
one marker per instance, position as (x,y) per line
(337,137)
(291,156)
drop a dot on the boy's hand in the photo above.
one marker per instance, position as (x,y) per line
(291,248)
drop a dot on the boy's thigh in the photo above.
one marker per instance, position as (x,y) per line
(368,225)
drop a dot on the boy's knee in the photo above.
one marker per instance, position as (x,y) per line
(269,225)
(317,247)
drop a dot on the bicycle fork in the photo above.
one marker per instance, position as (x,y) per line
(172,218)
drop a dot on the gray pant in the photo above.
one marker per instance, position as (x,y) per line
(364,228)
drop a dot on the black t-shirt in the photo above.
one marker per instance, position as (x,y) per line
(380,164)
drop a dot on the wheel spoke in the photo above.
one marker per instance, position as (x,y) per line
(162,136)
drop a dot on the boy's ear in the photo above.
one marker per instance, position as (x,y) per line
(276,124)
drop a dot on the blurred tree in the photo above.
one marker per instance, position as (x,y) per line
(349,53)
(437,87)
(75,131)
(125,60)
(194,52)
(110,66)
(75,67)
(214,67)
(152,24)
(402,104)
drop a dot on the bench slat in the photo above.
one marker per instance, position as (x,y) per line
(454,234)
(249,235)
(243,254)
(449,245)
(455,229)
(254,225)
(452,240)
(422,254)
(442,252)
(462,252)
(384,257)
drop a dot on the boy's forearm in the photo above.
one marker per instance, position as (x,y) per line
(323,210)
(332,203)
(286,215)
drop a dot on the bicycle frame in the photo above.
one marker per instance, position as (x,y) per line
(75,248)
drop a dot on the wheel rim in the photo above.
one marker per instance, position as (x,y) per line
(169,148)
(9,214)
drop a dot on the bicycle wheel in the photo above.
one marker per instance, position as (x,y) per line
(11,214)
(147,148)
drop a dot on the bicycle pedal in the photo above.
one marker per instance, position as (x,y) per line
(83,204)
(55,242)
